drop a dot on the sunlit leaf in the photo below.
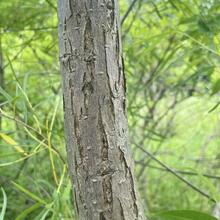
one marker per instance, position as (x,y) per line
(4,205)
(184,215)
(216,87)
(12,142)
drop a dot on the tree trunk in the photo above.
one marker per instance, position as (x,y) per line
(216,211)
(99,159)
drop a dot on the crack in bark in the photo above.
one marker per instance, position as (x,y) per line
(78,18)
(78,138)
(75,201)
(112,108)
(107,193)
(123,160)
(106,65)
(102,216)
(111,12)
(87,90)
(70,9)
(128,174)
(124,77)
(106,171)
(89,58)
(64,105)
(121,210)
(71,99)
(133,194)
(88,41)
(104,147)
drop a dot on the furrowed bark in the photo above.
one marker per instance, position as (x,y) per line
(100,163)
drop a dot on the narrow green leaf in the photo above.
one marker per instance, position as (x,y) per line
(4,205)
(216,87)
(214,107)
(27,211)
(184,215)
(27,192)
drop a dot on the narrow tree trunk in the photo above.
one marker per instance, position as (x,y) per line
(95,116)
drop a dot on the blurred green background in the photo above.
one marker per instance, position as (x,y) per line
(171,51)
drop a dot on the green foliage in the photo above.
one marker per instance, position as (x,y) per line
(4,205)
(171,51)
(183,215)
(216,87)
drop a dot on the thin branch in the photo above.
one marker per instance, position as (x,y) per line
(180,171)
(33,129)
(20,51)
(128,11)
(5,31)
(52,5)
(177,175)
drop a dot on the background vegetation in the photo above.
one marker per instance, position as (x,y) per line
(171,52)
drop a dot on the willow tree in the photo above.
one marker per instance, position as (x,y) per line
(99,159)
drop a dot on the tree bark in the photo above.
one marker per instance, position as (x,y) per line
(98,153)
(216,211)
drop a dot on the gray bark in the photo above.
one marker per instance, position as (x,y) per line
(99,159)
(216,211)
